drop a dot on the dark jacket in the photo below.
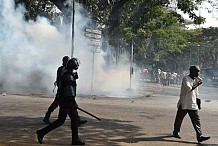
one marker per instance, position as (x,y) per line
(68,86)
(60,73)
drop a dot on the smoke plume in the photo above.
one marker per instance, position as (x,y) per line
(31,52)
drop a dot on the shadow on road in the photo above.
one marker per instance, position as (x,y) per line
(163,138)
(22,130)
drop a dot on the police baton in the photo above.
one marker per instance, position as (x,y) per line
(88,113)
(54,88)
(55,83)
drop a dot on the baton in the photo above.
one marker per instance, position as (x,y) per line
(88,113)
(54,87)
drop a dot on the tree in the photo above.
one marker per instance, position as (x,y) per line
(37,8)
(156,28)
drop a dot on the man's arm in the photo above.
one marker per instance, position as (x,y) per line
(195,86)
(186,84)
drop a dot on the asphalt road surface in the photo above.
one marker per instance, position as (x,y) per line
(145,120)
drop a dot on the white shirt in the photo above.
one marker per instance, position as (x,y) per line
(174,75)
(163,75)
(188,98)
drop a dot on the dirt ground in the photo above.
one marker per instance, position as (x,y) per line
(140,121)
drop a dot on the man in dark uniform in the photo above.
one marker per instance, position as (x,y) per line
(55,103)
(67,104)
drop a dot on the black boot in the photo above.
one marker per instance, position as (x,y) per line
(81,122)
(39,136)
(176,135)
(202,138)
(77,142)
(46,119)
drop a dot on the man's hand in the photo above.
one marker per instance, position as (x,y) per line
(199,83)
(75,105)
(75,75)
(196,85)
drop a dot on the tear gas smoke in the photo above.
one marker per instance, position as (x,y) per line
(31,52)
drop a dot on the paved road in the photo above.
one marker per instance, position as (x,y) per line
(143,121)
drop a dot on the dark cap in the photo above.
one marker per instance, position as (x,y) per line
(194,68)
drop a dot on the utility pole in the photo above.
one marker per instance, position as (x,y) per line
(72,41)
(131,69)
(189,63)
(198,54)
(131,66)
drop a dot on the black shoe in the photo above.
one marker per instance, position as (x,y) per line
(46,121)
(203,138)
(39,136)
(81,122)
(176,135)
(77,142)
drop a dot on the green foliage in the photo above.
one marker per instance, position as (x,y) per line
(155,27)
(37,8)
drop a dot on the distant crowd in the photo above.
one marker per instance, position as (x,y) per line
(165,78)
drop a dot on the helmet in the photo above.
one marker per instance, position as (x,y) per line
(73,63)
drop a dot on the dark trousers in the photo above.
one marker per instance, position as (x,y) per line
(64,110)
(52,107)
(193,114)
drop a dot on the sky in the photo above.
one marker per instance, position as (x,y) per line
(211,17)
(210,22)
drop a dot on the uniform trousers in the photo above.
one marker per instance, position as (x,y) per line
(65,108)
(194,116)
(52,107)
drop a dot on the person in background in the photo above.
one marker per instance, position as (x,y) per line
(163,78)
(188,103)
(67,104)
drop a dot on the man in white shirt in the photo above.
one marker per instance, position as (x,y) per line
(188,103)
(163,78)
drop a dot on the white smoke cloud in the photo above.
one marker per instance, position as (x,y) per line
(31,52)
